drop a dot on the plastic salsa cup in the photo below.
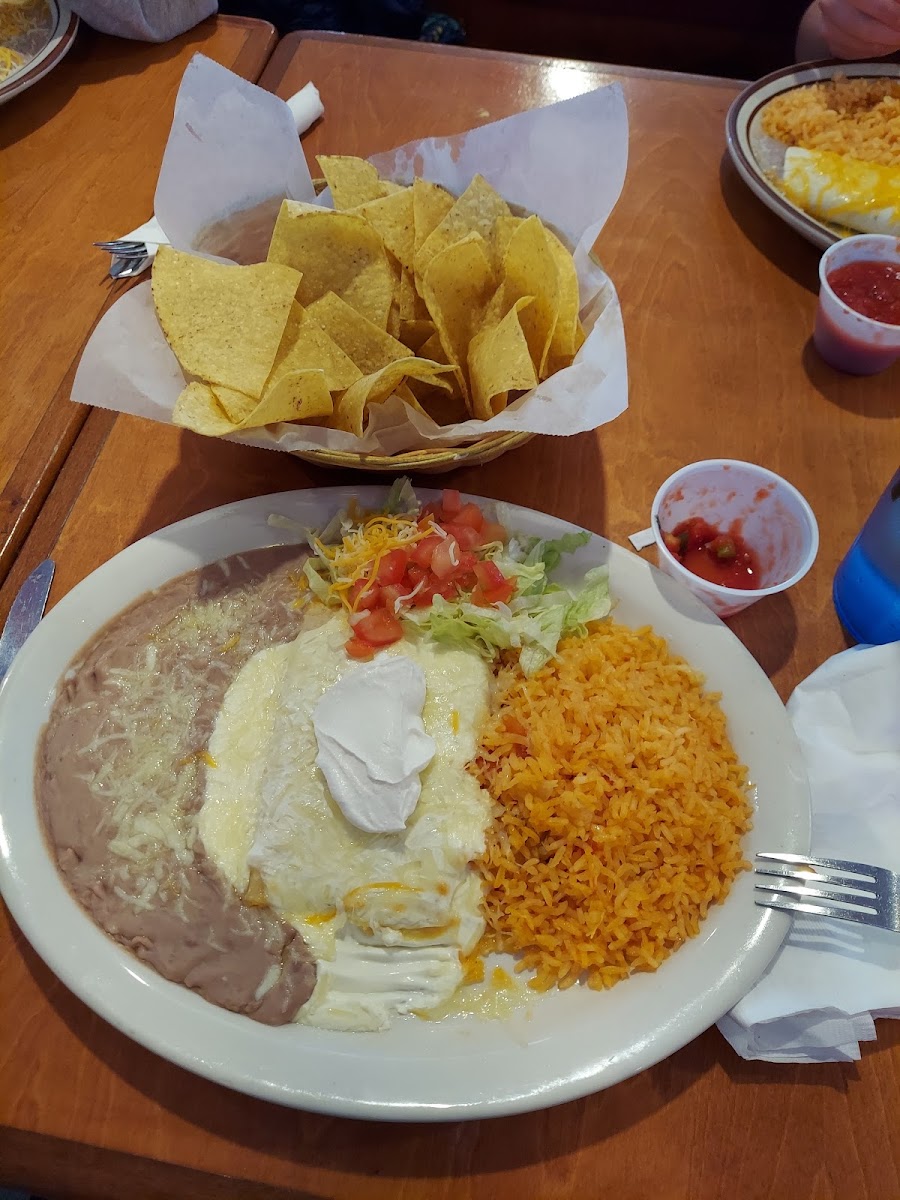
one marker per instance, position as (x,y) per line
(738,497)
(845,338)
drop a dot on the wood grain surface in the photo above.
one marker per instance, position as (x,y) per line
(718,299)
(79,156)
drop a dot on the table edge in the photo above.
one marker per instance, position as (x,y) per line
(288,45)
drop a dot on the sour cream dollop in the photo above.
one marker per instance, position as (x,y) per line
(372,744)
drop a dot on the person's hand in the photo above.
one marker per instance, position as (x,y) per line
(860,28)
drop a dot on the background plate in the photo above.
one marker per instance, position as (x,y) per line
(753,153)
(566,1044)
(62,25)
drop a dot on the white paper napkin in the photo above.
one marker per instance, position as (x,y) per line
(305,108)
(819,998)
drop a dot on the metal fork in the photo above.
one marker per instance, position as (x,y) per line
(125,268)
(123,248)
(128,258)
(830,887)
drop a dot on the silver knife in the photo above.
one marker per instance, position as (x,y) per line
(26,612)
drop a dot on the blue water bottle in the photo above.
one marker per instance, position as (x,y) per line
(867,583)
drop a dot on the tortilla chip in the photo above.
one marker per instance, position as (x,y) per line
(500,362)
(415,333)
(224,323)
(406,394)
(565,341)
(433,348)
(369,347)
(305,346)
(350,409)
(335,252)
(503,230)
(392,218)
(457,286)
(352,180)
(198,409)
(431,203)
(412,306)
(529,269)
(474,212)
(442,407)
(235,405)
(295,396)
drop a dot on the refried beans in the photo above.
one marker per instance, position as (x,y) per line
(120,779)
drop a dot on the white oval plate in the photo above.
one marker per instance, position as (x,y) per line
(566,1044)
(752,152)
(61,32)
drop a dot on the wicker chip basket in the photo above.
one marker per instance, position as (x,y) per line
(422,462)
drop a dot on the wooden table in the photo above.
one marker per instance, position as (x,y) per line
(79,155)
(718,298)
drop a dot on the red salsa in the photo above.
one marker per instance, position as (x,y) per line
(869,288)
(722,558)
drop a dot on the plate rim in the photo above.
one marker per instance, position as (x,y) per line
(54,50)
(738,120)
(770,926)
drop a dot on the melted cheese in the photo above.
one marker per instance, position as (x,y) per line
(835,187)
(388,913)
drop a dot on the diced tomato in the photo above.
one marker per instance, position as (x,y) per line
(391,593)
(445,560)
(449,590)
(424,550)
(470,514)
(357,648)
(414,574)
(379,628)
(489,575)
(492,531)
(465,582)
(502,593)
(392,566)
(467,537)
(424,595)
(478,597)
(451,501)
(428,512)
(364,595)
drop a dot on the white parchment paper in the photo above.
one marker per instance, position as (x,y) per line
(233,155)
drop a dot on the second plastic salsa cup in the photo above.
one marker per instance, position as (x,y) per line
(738,497)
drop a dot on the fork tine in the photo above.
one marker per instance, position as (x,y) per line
(120,244)
(789,904)
(868,901)
(140,252)
(835,864)
(835,880)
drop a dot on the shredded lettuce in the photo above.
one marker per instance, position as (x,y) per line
(402,498)
(532,623)
(458,623)
(319,586)
(537,616)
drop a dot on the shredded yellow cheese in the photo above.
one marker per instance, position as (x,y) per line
(10,60)
(359,553)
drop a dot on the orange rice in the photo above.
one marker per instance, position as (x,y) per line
(619,807)
(859,117)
